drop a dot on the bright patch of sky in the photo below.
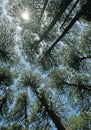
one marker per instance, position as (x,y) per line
(19,28)
(25,16)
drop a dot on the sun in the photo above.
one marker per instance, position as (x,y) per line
(25,16)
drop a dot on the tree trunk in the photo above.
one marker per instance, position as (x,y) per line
(65,31)
(56,120)
(2,102)
(42,12)
(78,15)
(63,7)
(65,20)
(26,116)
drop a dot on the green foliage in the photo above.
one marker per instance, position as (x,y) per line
(6,99)
(70,84)
(39,117)
(6,77)
(41,121)
(82,122)
(58,78)
(14,127)
(49,59)
(85,42)
(7,42)
(76,53)
(73,58)
(18,113)
(16,8)
(29,78)
(81,79)
(67,79)
(29,40)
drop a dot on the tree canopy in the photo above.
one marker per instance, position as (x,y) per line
(45,65)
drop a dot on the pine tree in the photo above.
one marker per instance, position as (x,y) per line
(82,121)
(19,114)
(55,42)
